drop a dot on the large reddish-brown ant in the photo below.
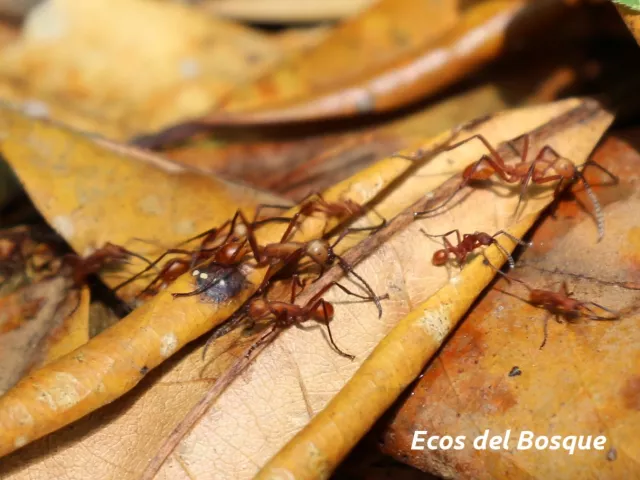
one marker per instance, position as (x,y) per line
(467,244)
(320,251)
(287,252)
(561,304)
(539,171)
(230,250)
(286,314)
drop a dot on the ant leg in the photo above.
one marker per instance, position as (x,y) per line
(265,338)
(222,330)
(499,168)
(596,205)
(525,147)
(325,315)
(251,237)
(172,251)
(363,297)
(206,233)
(515,240)
(593,163)
(504,252)
(184,264)
(374,297)
(545,329)
(296,282)
(373,228)
(595,316)
(444,235)
(207,286)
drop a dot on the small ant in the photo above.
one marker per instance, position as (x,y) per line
(561,304)
(286,314)
(538,171)
(468,243)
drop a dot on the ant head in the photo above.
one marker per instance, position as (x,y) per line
(233,251)
(440,257)
(319,251)
(564,167)
(319,313)
(484,238)
(258,307)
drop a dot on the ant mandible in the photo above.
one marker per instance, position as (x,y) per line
(561,304)
(539,171)
(467,244)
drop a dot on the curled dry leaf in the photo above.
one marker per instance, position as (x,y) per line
(355,50)
(458,44)
(585,379)
(80,62)
(303,162)
(295,377)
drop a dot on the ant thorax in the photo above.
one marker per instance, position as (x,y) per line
(318,250)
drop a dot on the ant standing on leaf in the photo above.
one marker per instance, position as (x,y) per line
(286,314)
(288,252)
(538,171)
(467,244)
(230,251)
(561,304)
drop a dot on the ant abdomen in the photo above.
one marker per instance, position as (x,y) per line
(478,171)
(323,312)
(440,258)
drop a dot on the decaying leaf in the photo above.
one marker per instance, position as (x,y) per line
(27,318)
(493,375)
(123,67)
(298,380)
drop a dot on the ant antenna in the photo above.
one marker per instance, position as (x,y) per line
(596,204)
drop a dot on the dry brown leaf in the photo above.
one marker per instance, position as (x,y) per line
(583,382)
(27,317)
(295,377)
(122,67)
